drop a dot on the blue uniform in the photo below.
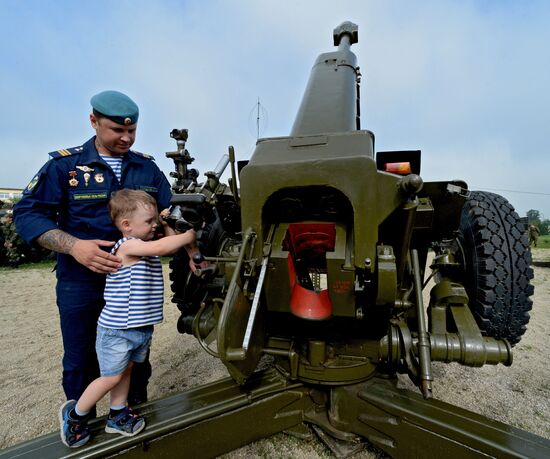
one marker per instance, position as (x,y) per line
(71,193)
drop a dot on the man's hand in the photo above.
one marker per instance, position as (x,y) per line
(89,254)
(86,252)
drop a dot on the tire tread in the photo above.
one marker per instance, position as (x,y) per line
(498,271)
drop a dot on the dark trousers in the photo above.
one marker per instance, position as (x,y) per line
(79,306)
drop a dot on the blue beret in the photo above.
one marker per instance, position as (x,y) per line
(116,106)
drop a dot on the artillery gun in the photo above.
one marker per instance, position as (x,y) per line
(318,254)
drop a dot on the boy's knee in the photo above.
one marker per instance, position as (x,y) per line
(114,380)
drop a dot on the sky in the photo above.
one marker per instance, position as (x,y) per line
(465,82)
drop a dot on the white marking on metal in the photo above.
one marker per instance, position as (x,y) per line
(254,307)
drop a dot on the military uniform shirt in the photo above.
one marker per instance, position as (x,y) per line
(71,193)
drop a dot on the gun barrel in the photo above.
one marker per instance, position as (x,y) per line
(331,98)
(222,164)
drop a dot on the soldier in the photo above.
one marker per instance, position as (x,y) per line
(533,235)
(64,209)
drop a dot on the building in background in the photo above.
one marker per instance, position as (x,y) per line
(10,194)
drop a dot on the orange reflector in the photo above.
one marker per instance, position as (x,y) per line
(398,168)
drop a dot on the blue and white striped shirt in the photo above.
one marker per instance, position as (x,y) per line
(115,163)
(134,295)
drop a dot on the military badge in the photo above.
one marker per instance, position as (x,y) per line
(72,180)
(32,183)
(85,168)
(86,178)
(99,177)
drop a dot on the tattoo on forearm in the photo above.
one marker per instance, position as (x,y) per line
(57,240)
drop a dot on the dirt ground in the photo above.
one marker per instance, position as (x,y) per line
(30,363)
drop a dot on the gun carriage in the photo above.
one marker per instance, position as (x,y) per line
(313,298)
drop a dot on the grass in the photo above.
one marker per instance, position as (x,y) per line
(543,242)
(50,264)
(47,264)
(526,347)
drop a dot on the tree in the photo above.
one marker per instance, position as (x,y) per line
(533,216)
(544,227)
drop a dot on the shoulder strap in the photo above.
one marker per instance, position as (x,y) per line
(143,155)
(119,243)
(60,153)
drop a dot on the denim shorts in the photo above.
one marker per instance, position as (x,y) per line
(116,348)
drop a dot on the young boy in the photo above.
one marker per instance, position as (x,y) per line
(133,305)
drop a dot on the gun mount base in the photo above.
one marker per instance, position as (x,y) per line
(209,420)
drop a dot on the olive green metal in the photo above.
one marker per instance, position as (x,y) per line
(411,185)
(330,101)
(199,423)
(423,346)
(280,163)
(467,345)
(451,347)
(233,320)
(214,418)
(340,275)
(448,309)
(204,325)
(317,352)
(339,370)
(409,210)
(324,364)
(405,425)
(387,275)
(233,184)
(277,283)
(346,28)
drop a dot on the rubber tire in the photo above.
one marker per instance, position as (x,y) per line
(497,263)
(185,294)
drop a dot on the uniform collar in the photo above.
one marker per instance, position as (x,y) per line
(89,154)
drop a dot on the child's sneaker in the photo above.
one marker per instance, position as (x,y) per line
(125,423)
(74,433)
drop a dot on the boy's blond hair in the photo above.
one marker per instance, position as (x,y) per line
(125,202)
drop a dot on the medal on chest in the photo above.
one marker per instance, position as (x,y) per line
(86,174)
(73,181)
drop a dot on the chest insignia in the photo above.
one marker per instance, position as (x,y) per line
(73,181)
(85,168)
(86,178)
(99,177)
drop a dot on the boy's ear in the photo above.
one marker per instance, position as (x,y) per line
(124,224)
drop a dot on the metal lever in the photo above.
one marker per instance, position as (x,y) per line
(198,258)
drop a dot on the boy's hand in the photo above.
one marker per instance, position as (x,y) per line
(163,215)
(164,229)
(199,266)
